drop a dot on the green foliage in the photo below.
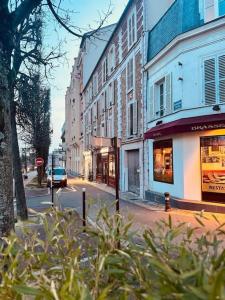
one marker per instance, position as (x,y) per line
(57,260)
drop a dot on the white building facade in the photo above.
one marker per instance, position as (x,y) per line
(185,105)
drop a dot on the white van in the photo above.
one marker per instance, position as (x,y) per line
(59,177)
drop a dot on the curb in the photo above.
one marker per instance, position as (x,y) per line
(138,203)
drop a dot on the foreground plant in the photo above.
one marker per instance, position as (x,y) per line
(57,260)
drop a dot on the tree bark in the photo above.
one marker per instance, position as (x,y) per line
(21,204)
(6,178)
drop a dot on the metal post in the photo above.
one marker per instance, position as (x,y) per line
(116,175)
(52,181)
(167,201)
(84,206)
(25,152)
(117,184)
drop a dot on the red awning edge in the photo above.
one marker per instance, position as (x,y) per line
(192,124)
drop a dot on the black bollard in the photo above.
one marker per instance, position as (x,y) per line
(167,201)
(84,207)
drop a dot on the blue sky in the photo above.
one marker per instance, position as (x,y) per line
(86,17)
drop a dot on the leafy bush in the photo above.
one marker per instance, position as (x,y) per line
(57,260)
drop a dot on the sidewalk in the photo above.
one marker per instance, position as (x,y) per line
(133,199)
(127,196)
(31,175)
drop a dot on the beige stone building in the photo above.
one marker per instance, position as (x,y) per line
(90,50)
(113,104)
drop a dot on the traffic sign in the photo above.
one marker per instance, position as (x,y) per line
(39,161)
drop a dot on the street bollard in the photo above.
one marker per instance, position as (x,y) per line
(84,207)
(167,201)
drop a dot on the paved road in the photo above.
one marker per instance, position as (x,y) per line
(71,197)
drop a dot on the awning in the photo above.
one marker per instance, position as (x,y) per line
(200,123)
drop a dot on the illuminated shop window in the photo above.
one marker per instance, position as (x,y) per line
(112,165)
(163,161)
(213,164)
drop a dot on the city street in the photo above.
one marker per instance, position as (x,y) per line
(71,197)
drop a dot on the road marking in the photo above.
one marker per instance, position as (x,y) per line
(59,190)
(70,189)
(46,202)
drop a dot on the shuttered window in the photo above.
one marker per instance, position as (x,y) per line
(151,113)
(132,119)
(160,98)
(222,79)
(131,30)
(214,80)
(130,74)
(168,94)
(105,70)
(210,81)
(111,94)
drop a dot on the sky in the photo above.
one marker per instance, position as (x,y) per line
(85,16)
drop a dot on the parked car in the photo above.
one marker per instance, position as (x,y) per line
(59,177)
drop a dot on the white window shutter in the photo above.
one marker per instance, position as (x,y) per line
(135,117)
(168,94)
(128,120)
(113,92)
(210,81)
(222,79)
(150,104)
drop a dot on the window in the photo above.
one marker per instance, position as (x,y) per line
(95,84)
(160,98)
(110,94)
(221,7)
(98,109)
(112,172)
(163,161)
(131,30)
(105,71)
(213,167)
(213,9)
(214,80)
(102,130)
(130,74)
(111,59)
(132,118)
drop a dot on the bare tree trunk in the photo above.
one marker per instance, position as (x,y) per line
(6,178)
(21,204)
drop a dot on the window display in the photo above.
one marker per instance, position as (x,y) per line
(112,165)
(163,161)
(213,164)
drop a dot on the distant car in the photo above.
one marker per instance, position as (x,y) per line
(59,177)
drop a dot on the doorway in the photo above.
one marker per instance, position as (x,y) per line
(133,171)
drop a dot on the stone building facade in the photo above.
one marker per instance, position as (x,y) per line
(113,104)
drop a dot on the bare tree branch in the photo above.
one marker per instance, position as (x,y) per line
(60,20)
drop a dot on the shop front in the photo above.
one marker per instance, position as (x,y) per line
(213,168)
(187,159)
(105,166)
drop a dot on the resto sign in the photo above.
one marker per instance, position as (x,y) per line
(39,161)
